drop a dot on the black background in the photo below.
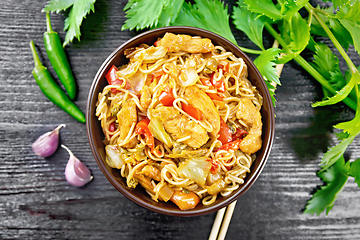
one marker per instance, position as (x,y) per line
(36,202)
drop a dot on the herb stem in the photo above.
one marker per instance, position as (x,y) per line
(273,32)
(252,51)
(304,64)
(332,38)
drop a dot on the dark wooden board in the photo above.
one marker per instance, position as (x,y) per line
(36,202)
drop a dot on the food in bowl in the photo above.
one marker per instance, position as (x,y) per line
(181,119)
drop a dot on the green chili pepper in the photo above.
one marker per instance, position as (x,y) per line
(57,57)
(51,90)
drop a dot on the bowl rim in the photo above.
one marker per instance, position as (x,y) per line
(141,202)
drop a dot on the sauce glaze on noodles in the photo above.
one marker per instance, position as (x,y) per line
(233,165)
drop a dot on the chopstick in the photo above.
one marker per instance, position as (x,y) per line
(221,223)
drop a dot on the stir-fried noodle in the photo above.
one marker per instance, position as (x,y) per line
(181,119)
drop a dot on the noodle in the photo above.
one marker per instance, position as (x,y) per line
(165,119)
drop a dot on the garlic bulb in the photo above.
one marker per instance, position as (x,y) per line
(76,173)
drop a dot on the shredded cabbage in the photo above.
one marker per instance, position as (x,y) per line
(195,169)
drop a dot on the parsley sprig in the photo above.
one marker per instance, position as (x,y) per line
(340,23)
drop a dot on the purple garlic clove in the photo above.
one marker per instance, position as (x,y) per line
(47,143)
(76,173)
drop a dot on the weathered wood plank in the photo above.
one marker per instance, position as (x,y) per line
(36,202)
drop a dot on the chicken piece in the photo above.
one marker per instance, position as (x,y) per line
(198,99)
(248,113)
(182,126)
(165,113)
(186,43)
(165,192)
(151,172)
(145,98)
(126,117)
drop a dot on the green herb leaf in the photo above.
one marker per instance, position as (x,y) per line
(265,62)
(58,5)
(338,3)
(325,61)
(349,11)
(169,13)
(272,89)
(285,57)
(77,13)
(248,22)
(335,178)
(299,33)
(290,7)
(341,33)
(145,14)
(264,7)
(211,15)
(342,94)
(341,135)
(336,152)
(354,30)
(351,127)
(354,171)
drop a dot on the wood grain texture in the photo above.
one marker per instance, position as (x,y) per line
(36,202)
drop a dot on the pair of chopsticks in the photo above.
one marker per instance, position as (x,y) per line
(221,222)
(223,216)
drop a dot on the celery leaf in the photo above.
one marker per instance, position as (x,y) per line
(73,22)
(327,64)
(336,152)
(354,171)
(265,63)
(342,94)
(341,33)
(169,13)
(339,3)
(290,7)
(349,11)
(335,178)
(248,22)
(325,61)
(354,30)
(145,14)
(58,5)
(210,15)
(299,33)
(264,7)
(351,127)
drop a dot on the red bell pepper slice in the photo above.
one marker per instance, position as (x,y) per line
(225,67)
(219,85)
(192,111)
(239,134)
(113,79)
(234,145)
(214,166)
(225,133)
(206,82)
(143,129)
(213,96)
(166,97)
(156,75)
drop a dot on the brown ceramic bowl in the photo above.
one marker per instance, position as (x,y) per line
(96,136)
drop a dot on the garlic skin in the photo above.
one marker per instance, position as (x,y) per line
(77,174)
(47,143)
